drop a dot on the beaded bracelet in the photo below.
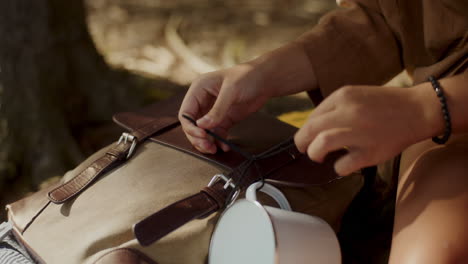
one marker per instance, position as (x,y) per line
(445,112)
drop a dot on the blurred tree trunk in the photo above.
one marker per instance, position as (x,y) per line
(55,91)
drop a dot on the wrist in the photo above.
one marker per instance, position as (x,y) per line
(285,71)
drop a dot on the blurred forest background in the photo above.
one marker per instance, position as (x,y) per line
(67,66)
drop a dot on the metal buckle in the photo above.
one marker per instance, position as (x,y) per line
(125,137)
(228,183)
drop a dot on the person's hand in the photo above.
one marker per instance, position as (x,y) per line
(218,100)
(373,123)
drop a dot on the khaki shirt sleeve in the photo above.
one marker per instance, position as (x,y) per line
(352,46)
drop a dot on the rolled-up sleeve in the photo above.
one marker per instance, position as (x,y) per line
(352,46)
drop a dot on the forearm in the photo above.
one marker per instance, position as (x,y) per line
(456,91)
(286,70)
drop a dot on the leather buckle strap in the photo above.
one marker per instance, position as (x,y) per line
(115,156)
(197,206)
(229,182)
(128,137)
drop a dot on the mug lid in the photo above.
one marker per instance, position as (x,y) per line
(243,234)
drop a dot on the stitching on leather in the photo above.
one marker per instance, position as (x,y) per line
(98,172)
(109,154)
(61,186)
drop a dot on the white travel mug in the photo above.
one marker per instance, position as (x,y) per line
(248,232)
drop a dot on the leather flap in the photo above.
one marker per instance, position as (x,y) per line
(163,109)
(255,134)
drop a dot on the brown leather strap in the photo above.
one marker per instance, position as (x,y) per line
(170,218)
(112,158)
(177,214)
(156,118)
(212,198)
(78,183)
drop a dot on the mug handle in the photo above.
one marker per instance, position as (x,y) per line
(270,190)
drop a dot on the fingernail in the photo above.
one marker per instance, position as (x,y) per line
(200,133)
(320,161)
(340,171)
(201,146)
(207,147)
(198,147)
(225,147)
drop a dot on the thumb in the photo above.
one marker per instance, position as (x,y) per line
(218,112)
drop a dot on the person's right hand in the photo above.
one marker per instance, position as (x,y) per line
(218,100)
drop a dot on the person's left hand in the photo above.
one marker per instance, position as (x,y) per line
(374,123)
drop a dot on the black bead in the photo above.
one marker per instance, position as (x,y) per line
(445,112)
